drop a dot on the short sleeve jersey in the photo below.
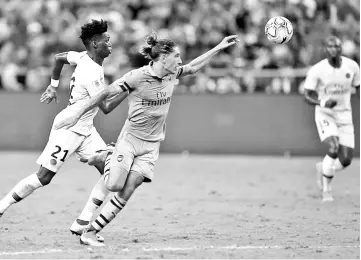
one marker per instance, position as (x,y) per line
(86,81)
(149,101)
(335,83)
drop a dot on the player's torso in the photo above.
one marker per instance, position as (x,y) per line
(86,73)
(336,83)
(153,96)
(149,105)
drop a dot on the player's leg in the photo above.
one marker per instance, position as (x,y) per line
(93,150)
(328,166)
(120,162)
(345,156)
(328,133)
(60,147)
(112,208)
(141,171)
(346,147)
(25,187)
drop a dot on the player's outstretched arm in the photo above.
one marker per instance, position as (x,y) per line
(199,62)
(50,92)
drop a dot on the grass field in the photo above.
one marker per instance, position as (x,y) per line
(196,207)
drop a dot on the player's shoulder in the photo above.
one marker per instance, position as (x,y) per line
(319,66)
(136,74)
(88,65)
(350,62)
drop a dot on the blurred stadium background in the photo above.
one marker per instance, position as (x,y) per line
(249,98)
(32,31)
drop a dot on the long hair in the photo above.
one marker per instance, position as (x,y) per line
(155,47)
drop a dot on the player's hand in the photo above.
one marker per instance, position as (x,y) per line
(49,95)
(330,103)
(67,122)
(228,41)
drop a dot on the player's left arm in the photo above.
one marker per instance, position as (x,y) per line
(199,62)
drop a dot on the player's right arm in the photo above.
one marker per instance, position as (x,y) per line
(123,85)
(311,95)
(110,103)
(60,59)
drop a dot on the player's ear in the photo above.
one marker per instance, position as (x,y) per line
(94,43)
(164,57)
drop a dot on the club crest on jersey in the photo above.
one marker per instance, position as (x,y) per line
(120,158)
(348,75)
(97,83)
(53,162)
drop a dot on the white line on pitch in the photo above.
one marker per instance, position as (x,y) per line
(235,247)
(231,247)
(32,252)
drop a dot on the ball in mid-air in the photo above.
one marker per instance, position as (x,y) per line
(279,30)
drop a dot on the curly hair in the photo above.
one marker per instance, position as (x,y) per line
(156,46)
(89,30)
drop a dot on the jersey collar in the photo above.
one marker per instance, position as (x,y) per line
(152,73)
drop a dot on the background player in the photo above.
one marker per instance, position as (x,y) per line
(83,139)
(328,86)
(150,90)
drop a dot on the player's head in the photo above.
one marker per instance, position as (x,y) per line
(164,51)
(95,37)
(333,47)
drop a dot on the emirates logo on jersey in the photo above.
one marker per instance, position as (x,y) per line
(348,75)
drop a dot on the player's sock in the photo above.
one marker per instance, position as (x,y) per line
(96,198)
(108,213)
(21,190)
(338,165)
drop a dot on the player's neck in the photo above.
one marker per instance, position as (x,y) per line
(159,70)
(96,59)
(335,62)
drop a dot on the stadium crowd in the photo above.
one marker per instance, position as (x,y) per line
(32,31)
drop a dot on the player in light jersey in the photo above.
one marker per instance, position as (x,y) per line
(328,86)
(82,139)
(150,91)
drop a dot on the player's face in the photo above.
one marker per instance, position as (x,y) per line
(104,45)
(333,48)
(173,61)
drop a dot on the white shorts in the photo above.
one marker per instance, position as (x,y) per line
(134,154)
(335,125)
(63,143)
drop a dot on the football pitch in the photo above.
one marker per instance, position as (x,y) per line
(198,206)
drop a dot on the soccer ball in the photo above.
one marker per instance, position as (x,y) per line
(279,30)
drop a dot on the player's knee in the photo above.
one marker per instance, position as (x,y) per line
(135,180)
(333,147)
(345,161)
(45,176)
(114,187)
